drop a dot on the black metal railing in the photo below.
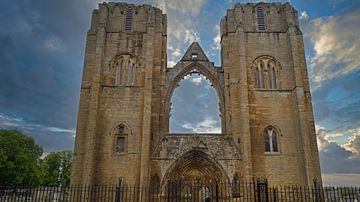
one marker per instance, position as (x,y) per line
(182,191)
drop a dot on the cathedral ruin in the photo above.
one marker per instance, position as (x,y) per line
(267,122)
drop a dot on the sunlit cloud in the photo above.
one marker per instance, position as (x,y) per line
(336,44)
(303,15)
(19,123)
(216,39)
(208,125)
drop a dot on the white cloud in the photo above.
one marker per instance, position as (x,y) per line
(177,52)
(336,44)
(8,124)
(216,39)
(52,43)
(354,145)
(20,124)
(197,80)
(304,15)
(336,158)
(161,4)
(171,63)
(184,6)
(207,125)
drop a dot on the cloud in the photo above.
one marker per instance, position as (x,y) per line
(208,125)
(303,15)
(183,6)
(195,107)
(217,39)
(198,80)
(171,63)
(336,44)
(182,29)
(354,145)
(335,158)
(53,43)
(49,137)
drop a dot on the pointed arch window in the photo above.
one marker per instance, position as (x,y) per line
(270,75)
(257,76)
(121,133)
(261,20)
(274,77)
(125,71)
(266,72)
(260,75)
(129,19)
(129,73)
(271,140)
(118,72)
(133,74)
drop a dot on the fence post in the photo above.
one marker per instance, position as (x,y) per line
(118,190)
(316,190)
(262,188)
(266,190)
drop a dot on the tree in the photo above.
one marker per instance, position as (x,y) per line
(56,168)
(19,159)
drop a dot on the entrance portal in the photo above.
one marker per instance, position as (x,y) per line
(193,177)
(196,165)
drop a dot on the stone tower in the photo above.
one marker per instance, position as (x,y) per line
(263,89)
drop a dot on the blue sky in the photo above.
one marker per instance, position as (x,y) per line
(42,51)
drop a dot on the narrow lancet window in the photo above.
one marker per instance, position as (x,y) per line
(257,77)
(271,142)
(262,84)
(121,73)
(133,74)
(269,72)
(121,133)
(116,73)
(129,73)
(274,78)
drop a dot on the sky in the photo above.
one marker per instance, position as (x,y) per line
(42,54)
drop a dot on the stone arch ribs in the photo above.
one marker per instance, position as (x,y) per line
(194,164)
(183,68)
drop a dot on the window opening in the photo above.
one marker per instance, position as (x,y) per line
(120,145)
(261,19)
(129,20)
(195,106)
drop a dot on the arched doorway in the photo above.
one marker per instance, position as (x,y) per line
(193,177)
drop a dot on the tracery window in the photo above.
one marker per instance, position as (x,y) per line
(129,19)
(121,133)
(270,140)
(261,19)
(125,70)
(266,71)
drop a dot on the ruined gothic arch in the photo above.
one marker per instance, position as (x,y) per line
(197,160)
(173,80)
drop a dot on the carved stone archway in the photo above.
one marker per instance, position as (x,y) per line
(195,165)
(174,77)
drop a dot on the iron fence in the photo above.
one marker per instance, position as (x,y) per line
(182,191)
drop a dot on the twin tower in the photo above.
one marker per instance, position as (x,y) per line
(265,103)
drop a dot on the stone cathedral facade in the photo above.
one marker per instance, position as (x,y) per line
(264,98)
